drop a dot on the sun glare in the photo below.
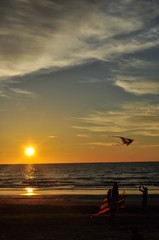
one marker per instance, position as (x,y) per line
(29,191)
(29,151)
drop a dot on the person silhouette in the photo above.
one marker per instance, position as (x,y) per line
(109,196)
(114,194)
(144,190)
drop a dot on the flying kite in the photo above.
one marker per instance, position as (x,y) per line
(125,140)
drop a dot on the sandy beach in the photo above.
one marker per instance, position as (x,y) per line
(69,217)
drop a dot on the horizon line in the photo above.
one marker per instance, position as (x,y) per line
(78,162)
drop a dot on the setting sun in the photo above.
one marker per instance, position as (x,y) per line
(29,151)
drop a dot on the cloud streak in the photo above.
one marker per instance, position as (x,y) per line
(137,119)
(56,34)
(137,85)
(23,92)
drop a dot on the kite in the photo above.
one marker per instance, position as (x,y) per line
(125,140)
(105,206)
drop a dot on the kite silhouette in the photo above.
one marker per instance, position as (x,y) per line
(126,141)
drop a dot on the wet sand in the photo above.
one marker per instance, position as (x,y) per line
(69,217)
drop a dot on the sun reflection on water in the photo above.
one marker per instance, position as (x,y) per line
(29,191)
(29,172)
(29,178)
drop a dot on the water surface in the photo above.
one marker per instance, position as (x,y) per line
(93,178)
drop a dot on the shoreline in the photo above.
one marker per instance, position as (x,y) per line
(32,191)
(78,199)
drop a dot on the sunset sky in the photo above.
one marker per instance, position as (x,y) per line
(75,73)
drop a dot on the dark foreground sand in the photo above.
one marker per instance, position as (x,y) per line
(69,217)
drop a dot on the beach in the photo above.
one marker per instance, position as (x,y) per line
(57,201)
(69,217)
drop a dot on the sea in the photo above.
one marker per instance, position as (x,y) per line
(77,178)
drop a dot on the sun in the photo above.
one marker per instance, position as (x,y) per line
(29,151)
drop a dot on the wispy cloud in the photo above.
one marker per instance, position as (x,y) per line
(137,85)
(83,135)
(23,92)
(3,94)
(52,137)
(139,119)
(45,34)
(10,92)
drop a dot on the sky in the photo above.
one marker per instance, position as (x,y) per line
(75,73)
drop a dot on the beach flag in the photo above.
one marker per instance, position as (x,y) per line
(105,206)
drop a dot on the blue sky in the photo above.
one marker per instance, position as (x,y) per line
(73,73)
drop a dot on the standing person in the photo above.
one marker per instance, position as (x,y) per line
(109,196)
(144,190)
(113,203)
(115,192)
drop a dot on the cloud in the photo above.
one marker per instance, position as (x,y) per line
(83,135)
(129,119)
(52,137)
(23,92)
(3,94)
(132,63)
(137,85)
(56,34)
(11,92)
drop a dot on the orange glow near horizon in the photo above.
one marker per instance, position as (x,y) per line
(32,152)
